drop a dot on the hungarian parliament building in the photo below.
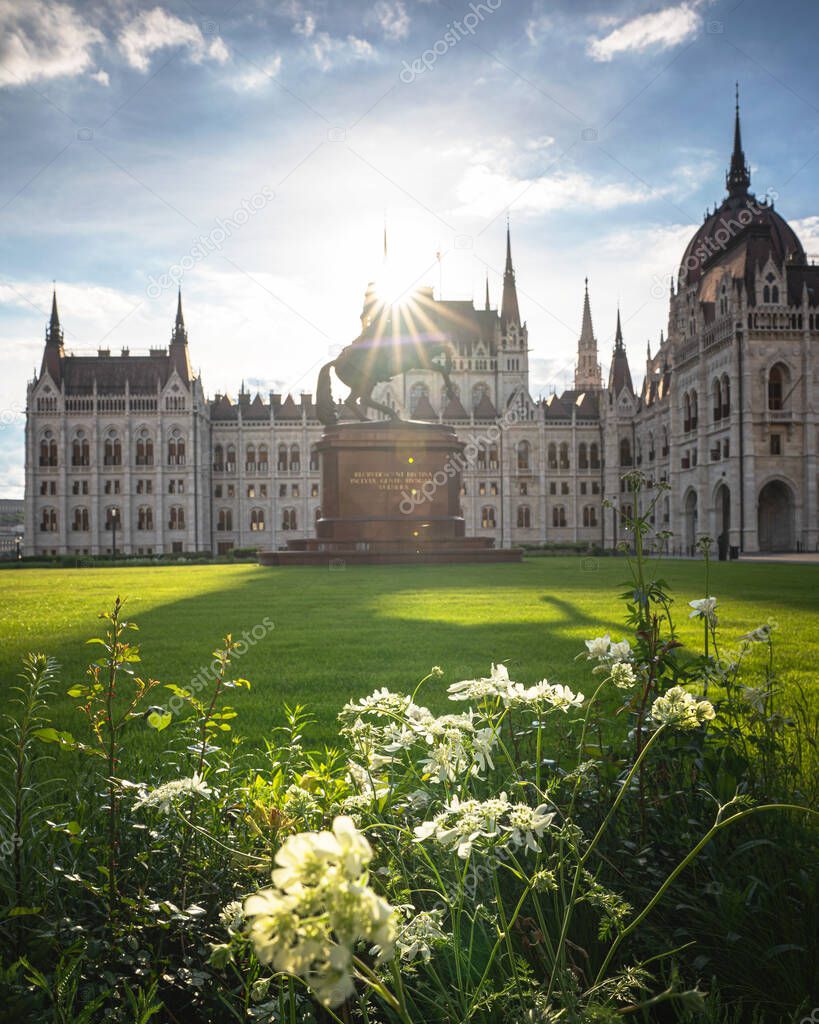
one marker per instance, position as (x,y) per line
(126,454)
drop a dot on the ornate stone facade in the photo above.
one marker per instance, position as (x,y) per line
(126,450)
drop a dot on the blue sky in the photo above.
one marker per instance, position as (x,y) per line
(264,143)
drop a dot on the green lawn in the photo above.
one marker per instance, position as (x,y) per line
(342,633)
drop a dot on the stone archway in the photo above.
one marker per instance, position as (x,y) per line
(722,520)
(775,517)
(690,521)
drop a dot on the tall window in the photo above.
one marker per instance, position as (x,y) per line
(112,450)
(289,519)
(524,517)
(717,400)
(551,456)
(230,459)
(250,458)
(256,519)
(80,523)
(559,515)
(524,456)
(583,455)
(48,520)
(493,456)
(80,453)
(176,517)
(564,456)
(625,452)
(218,458)
(686,412)
(224,519)
(144,449)
(694,410)
(295,459)
(594,455)
(777,381)
(176,449)
(282,458)
(314,459)
(726,396)
(145,517)
(589,515)
(262,463)
(488,517)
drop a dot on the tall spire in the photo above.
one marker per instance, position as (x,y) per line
(619,372)
(738,178)
(510,313)
(53,354)
(486,303)
(587,372)
(179,335)
(55,316)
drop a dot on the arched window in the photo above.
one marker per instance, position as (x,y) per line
(625,452)
(551,456)
(651,452)
(493,456)
(524,456)
(717,400)
(112,449)
(559,515)
(777,384)
(766,293)
(295,459)
(589,515)
(230,459)
(479,391)
(218,458)
(694,410)
(594,455)
(282,458)
(583,455)
(48,520)
(80,522)
(775,293)
(488,517)
(726,396)
(481,457)
(176,449)
(256,519)
(664,450)
(250,458)
(263,458)
(176,517)
(145,517)
(418,391)
(564,456)
(524,517)
(224,520)
(80,453)
(686,412)
(289,519)
(314,459)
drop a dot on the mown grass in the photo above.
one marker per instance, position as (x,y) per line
(340,634)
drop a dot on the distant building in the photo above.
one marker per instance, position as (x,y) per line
(128,445)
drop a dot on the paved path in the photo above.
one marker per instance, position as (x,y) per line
(790,558)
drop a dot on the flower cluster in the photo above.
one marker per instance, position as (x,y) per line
(677,707)
(319,907)
(165,797)
(602,648)
(419,934)
(497,821)
(498,686)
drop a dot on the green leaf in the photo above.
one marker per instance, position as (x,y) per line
(78,691)
(159,721)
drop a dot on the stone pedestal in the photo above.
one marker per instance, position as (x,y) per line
(390,494)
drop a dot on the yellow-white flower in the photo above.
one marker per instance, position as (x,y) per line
(677,707)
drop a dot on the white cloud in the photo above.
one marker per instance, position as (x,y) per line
(392,17)
(807,231)
(101,76)
(303,21)
(40,40)
(329,50)
(157,30)
(660,30)
(257,77)
(537,27)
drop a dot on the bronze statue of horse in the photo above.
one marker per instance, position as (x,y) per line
(372,360)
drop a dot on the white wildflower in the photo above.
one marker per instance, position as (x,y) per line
(319,908)
(562,697)
(417,937)
(704,608)
(232,916)
(497,685)
(598,647)
(620,651)
(164,797)
(525,823)
(677,707)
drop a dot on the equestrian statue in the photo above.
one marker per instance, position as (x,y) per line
(374,359)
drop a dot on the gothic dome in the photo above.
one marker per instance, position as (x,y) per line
(744,232)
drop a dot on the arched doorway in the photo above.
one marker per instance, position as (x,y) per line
(690,521)
(722,520)
(775,517)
